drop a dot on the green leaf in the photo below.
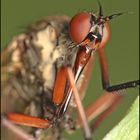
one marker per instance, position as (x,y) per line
(128,128)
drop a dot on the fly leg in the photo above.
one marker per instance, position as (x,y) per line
(28,120)
(16,130)
(80,108)
(25,120)
(101,108)
(65,75)
(105,77)
(115,102)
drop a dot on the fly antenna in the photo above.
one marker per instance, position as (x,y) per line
(113,16)
(100,9)
(116,15)
(102,20)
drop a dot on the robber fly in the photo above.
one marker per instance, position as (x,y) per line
(47,69)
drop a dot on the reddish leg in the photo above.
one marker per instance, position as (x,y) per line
(107,112)
(102,107)
(28,120)
(104,71)
(79,104)
(105,78)
(19,132)
(59,87)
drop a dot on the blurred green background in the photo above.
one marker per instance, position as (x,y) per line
(122,51)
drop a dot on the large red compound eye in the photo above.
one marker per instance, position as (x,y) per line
(79,27)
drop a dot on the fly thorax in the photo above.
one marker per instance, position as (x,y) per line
(45,39)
